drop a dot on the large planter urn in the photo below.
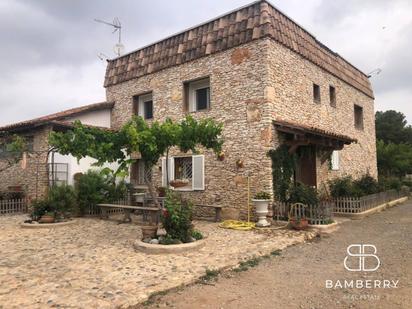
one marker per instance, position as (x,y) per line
(139,197)
(261,212)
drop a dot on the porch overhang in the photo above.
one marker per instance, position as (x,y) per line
(299,135)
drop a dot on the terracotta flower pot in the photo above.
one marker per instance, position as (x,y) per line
(149,231)
(46,219)
(178,183)
(301,224)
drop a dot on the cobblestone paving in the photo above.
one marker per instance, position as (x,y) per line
(92,264)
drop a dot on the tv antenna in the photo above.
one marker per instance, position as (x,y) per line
(118,47)
(374,72)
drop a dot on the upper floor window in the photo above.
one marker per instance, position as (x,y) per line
(197,95)
(143,105)
(358,111)
(316,93)
(332,96)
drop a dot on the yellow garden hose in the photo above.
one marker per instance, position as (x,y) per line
(237,225)
(240,225)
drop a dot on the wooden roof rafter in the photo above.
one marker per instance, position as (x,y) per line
(300,135)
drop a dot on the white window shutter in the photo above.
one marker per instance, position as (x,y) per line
(198,172)
(164,172)
(171,169)
(335,160)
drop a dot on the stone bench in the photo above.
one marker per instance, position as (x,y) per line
(127,210)
(218,210)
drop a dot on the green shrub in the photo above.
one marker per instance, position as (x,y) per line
(407,183)
(262,195)
(91,190)
(95,187)
(390,183)
(40,208)
(62,199)
(197,235)
(341,187)
(177,217)
(302,193)
(366,185)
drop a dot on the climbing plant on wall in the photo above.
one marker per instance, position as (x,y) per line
(283,167)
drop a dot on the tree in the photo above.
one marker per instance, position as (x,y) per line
(152,142)
(391,127)
(12,148)
(394,159)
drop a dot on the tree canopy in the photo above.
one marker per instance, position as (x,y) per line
(12,148)
(137,136)
(394,144)
(151,141)
(392,127)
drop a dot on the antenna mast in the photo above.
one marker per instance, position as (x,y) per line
(119,47)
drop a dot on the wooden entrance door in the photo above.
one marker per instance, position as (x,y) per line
(306,166)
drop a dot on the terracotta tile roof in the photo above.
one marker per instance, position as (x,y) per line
(57,116)
(255,21)
(286,126)
(69,125)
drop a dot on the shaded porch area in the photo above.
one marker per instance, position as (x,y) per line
(313,147)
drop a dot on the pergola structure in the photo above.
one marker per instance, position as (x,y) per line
(299,135)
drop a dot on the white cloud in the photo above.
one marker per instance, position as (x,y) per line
(49,61)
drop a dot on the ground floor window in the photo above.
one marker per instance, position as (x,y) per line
(187,171)
(58,173)
(139,173)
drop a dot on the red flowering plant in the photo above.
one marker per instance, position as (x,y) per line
(177,218)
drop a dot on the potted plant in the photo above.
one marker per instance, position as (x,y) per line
(261,201)
(178,183)
(149,231)
(48,217)
(297,216)
(299,222)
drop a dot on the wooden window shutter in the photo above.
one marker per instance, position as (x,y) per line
(198,172)
(171,171)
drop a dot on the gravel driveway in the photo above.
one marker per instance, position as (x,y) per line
(296,278)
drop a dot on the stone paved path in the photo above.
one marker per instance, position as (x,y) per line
(92,264)
(296,278)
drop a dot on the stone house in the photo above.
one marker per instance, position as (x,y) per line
(40,166)
(270,82)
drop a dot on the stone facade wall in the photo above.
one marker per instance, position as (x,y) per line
(32,178)
(289,92)
(237,77)
(251,86)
